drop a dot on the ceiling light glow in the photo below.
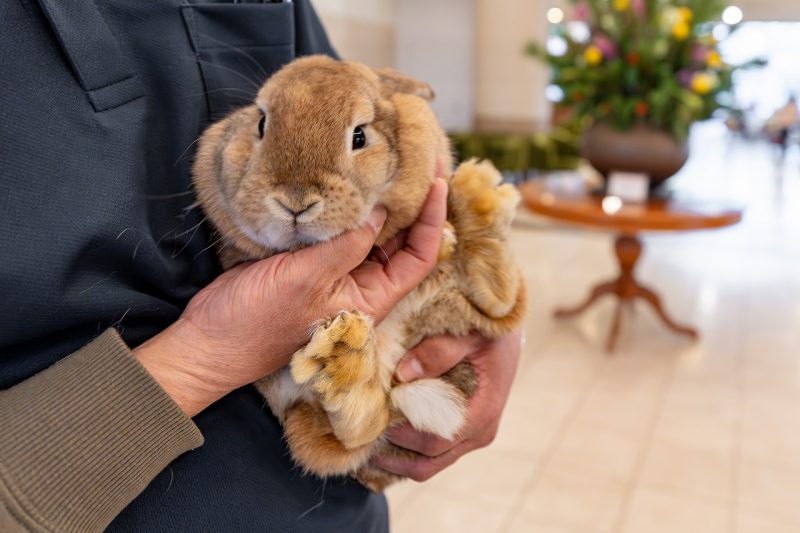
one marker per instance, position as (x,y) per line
(554,93)
(556,46)
(555,15)
(732,15)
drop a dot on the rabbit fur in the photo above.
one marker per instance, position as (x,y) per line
(304,182)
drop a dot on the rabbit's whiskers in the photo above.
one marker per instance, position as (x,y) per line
(388,260)
(213,243)
(167,196)
(252,83)
(184,152)
(191,230)
(239,51)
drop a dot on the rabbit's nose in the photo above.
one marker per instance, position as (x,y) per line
(302,212)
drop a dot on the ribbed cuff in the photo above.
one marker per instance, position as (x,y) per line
(80,440)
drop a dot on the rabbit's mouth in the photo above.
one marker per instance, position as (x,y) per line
(280,226)
(283,237)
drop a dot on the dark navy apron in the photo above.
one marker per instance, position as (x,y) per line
(100,104)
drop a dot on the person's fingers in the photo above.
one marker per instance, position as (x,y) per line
(432,454)
(441,168)
(382,253)
(405,436)
(435,356)
(230,274)
(421,468)
(421,249)
(330,260)
(385,284)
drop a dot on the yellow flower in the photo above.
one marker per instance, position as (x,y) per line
(593,55)
(622,5)
(714,60)
(681,31)
(685,14)
(704,82)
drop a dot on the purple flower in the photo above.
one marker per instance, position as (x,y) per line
(639,7)
(581,12)
(685,76)
(699,53)
(605,45)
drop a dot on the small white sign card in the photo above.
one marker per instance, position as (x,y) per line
(632,187)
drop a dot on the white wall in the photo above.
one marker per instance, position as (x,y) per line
(510,85)
(470,51)
(361,30)
(434,42)
(788,10)
(364,10)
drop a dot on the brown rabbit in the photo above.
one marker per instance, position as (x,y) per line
(323,143)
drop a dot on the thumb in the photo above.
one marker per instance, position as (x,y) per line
(435,356)
(337,257)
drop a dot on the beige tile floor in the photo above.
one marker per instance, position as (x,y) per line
(666,435)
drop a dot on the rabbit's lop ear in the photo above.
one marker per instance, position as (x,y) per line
(393,82)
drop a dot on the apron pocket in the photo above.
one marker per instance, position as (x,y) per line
(238,46)
(105,74)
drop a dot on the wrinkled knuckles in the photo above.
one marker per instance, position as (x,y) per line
(433,447)
(486,439)
(419,472)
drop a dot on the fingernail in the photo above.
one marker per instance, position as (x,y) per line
(410,369)
(377,217)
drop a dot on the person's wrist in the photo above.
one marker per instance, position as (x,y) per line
(175,358)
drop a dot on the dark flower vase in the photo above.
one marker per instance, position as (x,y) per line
(640,149)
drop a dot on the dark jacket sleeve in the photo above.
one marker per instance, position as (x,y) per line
(80,440)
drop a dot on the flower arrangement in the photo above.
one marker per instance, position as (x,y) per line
(628,62)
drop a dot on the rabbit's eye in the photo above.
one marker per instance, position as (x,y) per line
(359,138)
(261,126)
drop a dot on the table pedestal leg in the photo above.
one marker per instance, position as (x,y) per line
(628,249)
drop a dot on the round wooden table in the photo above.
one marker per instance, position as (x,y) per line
(569,201)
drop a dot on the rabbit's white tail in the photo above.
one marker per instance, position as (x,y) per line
(431,405)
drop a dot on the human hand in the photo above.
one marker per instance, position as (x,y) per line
(495,362)
(250,320)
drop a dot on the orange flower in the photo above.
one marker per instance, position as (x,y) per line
(704,82)
(593,55)
(633,58)
(681,31)
(641,109)
(714,60)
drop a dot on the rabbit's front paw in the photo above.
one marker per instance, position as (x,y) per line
(478,197)
(481,211)
(338,357)
(340,365)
